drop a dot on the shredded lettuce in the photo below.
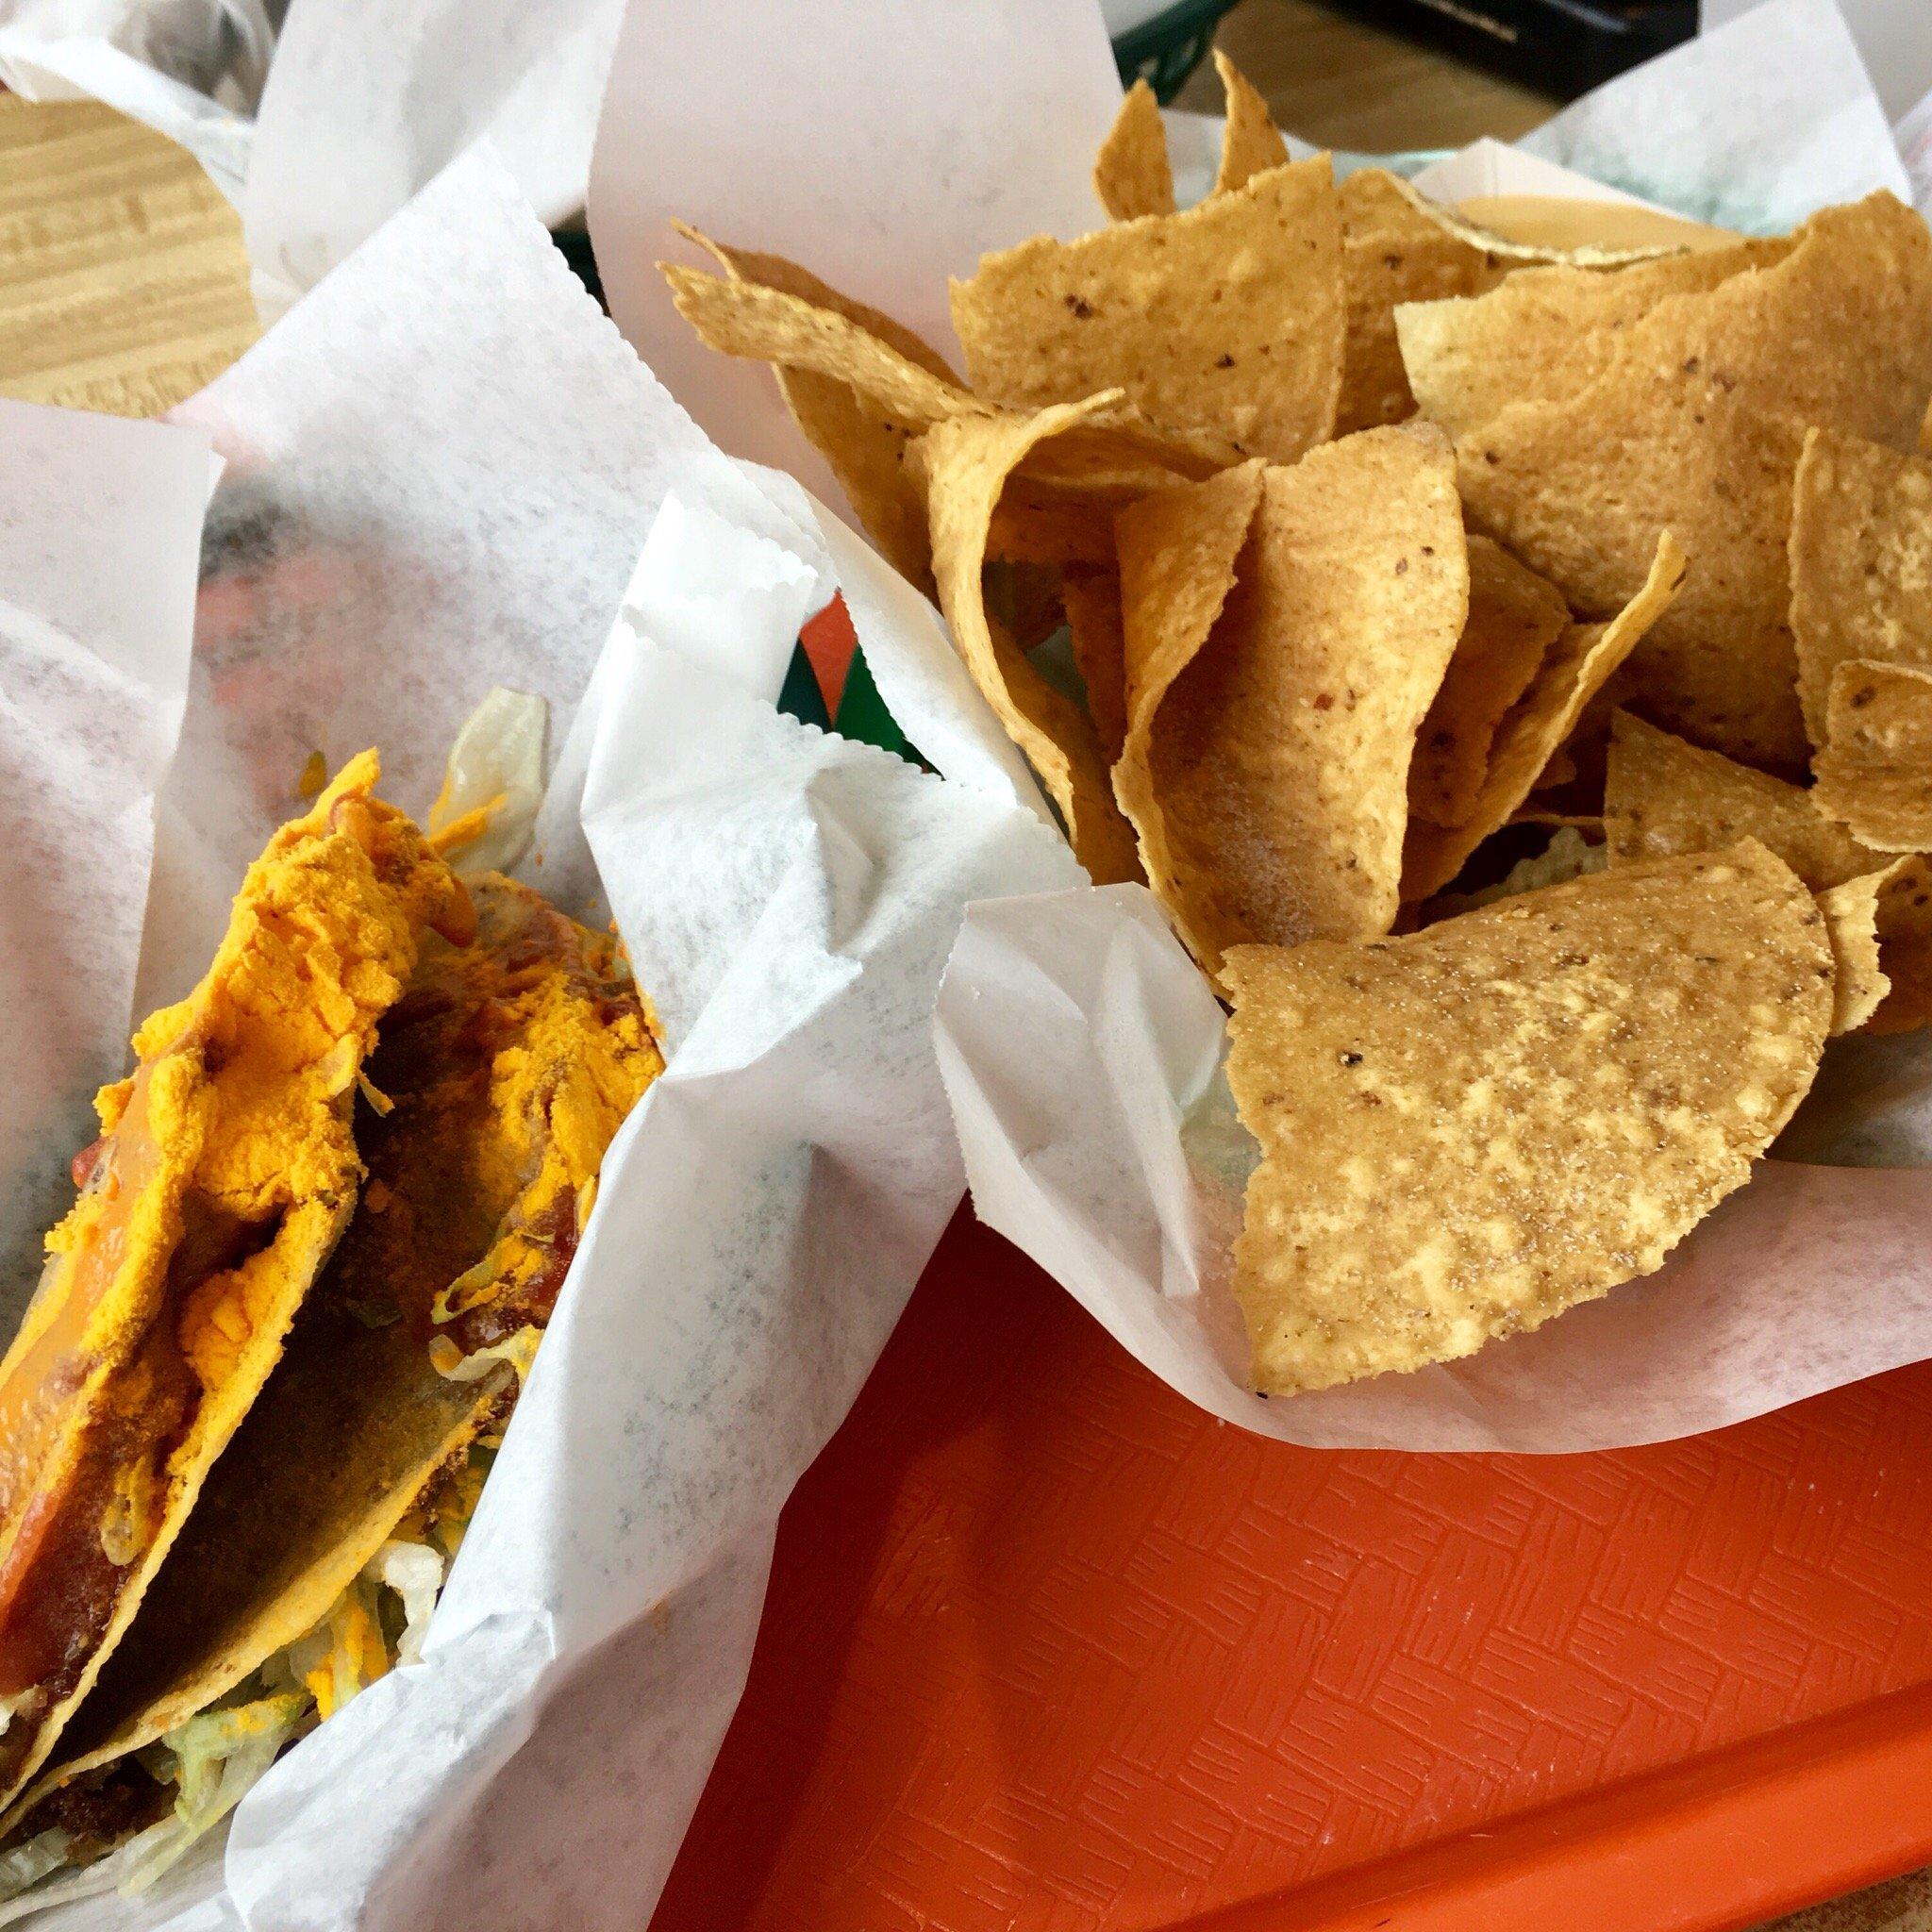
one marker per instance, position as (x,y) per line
(90,1881)
(414,1572)
(493,783)
(519,1351)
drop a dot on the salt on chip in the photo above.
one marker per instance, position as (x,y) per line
(1092,598)
(966,464)
(1132,174)
(1285,634)
(1395,249)
(1861,562)
(1575,669)
(1544,333)
(1875,774)
(863,444)
(1663,798)
(1250,142)
(1226,317)
(1514,617)
(1469,1129)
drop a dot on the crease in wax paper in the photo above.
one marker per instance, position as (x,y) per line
(445,472)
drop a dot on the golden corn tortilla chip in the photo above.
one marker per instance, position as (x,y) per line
(1227,317)
(1091,595)
(1039,523)
(1131,174)
(1396,248)
(966,464)
(1663,798)
(1860,561)
(1250,142)
(1568,855)
(772,324)
(1467,1130)
(1851,924)
(1694,425)
(864,446)
(1546,332)
(1277,670)
(1574,669)
(1580,490)
(1514,617)
(1875,774)
(1830,325)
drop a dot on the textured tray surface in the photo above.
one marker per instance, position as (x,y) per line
(1046,1648)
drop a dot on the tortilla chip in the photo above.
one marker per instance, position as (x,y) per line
(1851,924)
(1514,617)
(1874,774)
(1581,489)
(1396,248)
(863,446)
(1025,599)
(1832,325)
(966,464)
(1568,855)
(1226,317)
(1091,597)
(1861,562)
(1467,1130)
(1276,684)
(1131,174)
(1577,668)
(1677,432)
(1250,142)
(1663,797)
(1546,332)
(770,325)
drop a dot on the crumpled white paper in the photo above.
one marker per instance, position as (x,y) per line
(1081,1048)
(441,469)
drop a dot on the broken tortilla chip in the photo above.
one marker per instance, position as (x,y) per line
(1580,490)
(1131,174)
(1851,924)
(1092,598)
(1861,562)
(1396,248)
(966,464)
(1467,1130)
(863,444)
(1574,669)
(1663,798)
(1874,774)
(1250,142)
(1285,634)
(1514,617)
(1544,333)
(1227,317)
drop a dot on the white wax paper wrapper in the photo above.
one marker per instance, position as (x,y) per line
(441,473)
(1895,39)
(1753,125)
(100,521)
(885,148)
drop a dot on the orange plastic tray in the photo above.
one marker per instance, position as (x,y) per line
(1048,1649)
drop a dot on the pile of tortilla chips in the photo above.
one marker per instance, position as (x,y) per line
(1441,628)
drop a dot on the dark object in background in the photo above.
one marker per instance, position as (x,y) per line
(575,246)
(1561,47)
(1165,50)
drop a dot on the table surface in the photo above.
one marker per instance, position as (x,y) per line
(124,287)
